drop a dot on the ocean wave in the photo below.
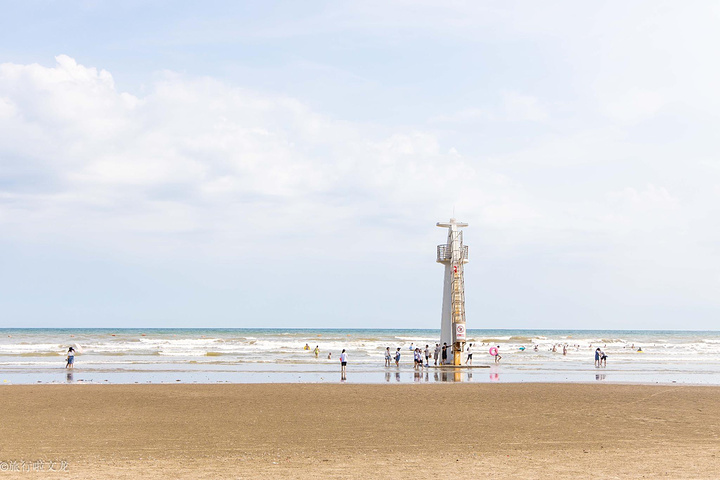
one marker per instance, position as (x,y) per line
(41,354)
(520,339)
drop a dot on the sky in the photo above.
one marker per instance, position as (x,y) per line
(283,164)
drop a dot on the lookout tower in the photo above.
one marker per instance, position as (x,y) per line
(454,255)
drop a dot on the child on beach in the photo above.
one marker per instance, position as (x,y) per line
(597,357)
(497,355)
(388,357)
(317,351)
(469,355)
(427,355)
(70,358)
(397,357)
(437,352)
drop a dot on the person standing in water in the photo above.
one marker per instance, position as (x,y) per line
(388,357)
(437,352)
(343,362)
(444,354)
(397,357)
(469,355)
(70,358)
(427,355)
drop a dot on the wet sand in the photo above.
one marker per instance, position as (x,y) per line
(362,431)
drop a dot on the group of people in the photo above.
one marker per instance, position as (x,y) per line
(343,358)
(422,357)
(316,351)
(70,358)
(600,358)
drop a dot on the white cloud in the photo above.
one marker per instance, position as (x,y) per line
(84,162)
(200,167)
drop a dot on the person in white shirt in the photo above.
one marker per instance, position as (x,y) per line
(418,359)
(70,358)
(343,361)
(469,355)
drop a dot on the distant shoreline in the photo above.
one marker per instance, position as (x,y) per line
(245,356)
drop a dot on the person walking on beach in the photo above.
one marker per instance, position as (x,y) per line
(397,357)
(444,354)
(343,362)
(70,358)
(388,357)
(469,355)
(427,355)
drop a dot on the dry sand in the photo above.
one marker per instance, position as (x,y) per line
(363,431)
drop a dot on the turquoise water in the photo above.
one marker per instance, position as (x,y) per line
(277,355)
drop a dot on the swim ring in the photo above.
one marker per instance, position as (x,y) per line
(522,349)
(493,351)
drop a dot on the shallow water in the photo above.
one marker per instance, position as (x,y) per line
(275,356)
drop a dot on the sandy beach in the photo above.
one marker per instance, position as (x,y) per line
(362,431)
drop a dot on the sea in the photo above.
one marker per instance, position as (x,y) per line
(214,355)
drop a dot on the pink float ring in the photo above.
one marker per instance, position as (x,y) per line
(493,351)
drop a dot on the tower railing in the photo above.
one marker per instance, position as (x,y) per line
(444,253)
